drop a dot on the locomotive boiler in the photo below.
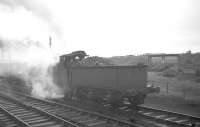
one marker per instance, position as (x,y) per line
(103,83)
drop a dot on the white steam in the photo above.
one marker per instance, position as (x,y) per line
(35,7)
(43,85)
(24,45)
(34,63)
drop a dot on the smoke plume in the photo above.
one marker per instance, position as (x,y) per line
(24,45)
(36,8)
(33,62)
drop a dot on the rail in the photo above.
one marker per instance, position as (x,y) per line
(73,114)
(169,117)
(87,118)
(29,116)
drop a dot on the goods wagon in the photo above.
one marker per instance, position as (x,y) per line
(119,78)
(104,83)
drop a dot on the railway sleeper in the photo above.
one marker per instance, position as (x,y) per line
(35,118)
(47,124)
(43,106)
(54,110)
(7,122)
(97,123)
(79,118)
(87,120)
(38,121)
(24,115)
(182,121)
(15,109)
(71,115)
(29,116)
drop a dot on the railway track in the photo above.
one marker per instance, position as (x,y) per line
(163,116)
(169,117)
(16,114)
(79,117)
(82,117)
(9,120)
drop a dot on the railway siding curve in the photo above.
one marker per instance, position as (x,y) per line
(73,114)
(87,118)
(28,116)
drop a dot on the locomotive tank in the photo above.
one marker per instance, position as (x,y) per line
(102,83)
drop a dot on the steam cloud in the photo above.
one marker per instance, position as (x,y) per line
(32,62)
(22,52)
(36,8)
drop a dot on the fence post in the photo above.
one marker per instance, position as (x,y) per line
(184,91)
(167,88)
(184,94)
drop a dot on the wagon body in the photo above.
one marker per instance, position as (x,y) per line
(120,78)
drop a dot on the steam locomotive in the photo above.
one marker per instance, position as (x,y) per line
(111,84)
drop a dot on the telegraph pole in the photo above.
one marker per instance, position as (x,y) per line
(50,41)
(9,64)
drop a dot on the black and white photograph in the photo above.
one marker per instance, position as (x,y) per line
(99,63)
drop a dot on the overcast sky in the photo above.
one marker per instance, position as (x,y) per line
(104,27)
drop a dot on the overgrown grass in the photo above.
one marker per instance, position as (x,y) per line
(184,88)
